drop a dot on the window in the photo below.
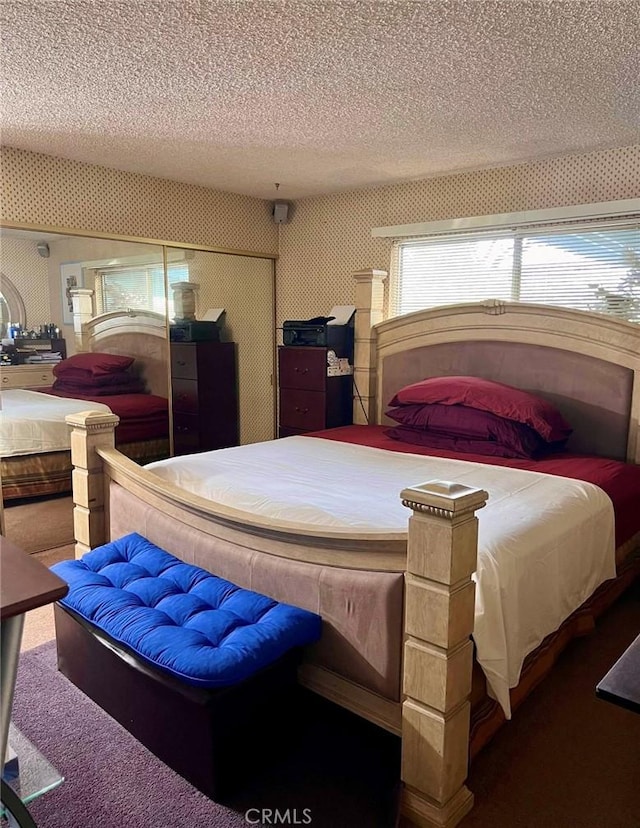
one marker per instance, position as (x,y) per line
(137,286)
(594,267)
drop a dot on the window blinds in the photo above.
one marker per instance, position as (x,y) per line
(594,268)
(138,286)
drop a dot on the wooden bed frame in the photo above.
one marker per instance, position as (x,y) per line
(140,334)
(440,556)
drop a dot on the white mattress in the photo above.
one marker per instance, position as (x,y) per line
(32,423)
(545,542)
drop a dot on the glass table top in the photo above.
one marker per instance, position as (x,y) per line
(36,775)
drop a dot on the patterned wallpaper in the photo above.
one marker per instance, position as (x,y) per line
(29,272)
(329,237)
(55,192)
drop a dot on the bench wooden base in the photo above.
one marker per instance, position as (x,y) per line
(210,737)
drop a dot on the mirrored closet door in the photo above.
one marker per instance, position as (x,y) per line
(238,292)
(133,279)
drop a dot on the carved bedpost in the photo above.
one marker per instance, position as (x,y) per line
(369,304)
(90,430)
(82,312)
(439,614)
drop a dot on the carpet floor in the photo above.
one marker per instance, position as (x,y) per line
(39,524)
(342,769)
(567,760)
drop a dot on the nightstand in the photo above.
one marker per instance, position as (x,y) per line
(309,399)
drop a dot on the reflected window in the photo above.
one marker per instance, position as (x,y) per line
(140,286)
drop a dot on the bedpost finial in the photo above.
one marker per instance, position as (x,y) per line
(443,498)
(371,274)
(93,420)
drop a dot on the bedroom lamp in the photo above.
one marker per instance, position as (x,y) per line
(184,300)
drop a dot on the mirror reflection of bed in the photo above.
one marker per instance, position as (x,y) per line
(120,374)
(335,540)
(121,276)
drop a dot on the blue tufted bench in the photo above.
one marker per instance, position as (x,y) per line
(198,669)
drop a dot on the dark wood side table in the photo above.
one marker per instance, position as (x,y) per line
(309,399)
(621,685)
(25,584)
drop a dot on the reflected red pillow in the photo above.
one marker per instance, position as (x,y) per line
(93,364)
(78,376)
(494,397)
(84,390)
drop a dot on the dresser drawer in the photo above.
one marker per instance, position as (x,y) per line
(184,394)
(303,367)
(184,360)
(304,410)
(186,433)
(26,376)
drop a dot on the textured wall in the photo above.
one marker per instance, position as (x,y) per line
(29,272)
(329,237)
(54,192)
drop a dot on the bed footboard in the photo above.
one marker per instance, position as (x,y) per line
(438,604)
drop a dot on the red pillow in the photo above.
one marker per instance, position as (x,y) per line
(82,391)
(461,422)
(93,364)
(486,395)
(451,442)
(78,376)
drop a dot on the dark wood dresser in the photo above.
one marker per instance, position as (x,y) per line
(204,396)
(309,399)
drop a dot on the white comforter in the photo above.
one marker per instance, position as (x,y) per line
(545,543)
(31,423)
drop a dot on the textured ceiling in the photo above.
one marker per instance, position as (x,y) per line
(318,96)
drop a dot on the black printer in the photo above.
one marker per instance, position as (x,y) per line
(194,330)
(319,332)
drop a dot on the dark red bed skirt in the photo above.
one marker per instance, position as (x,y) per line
(142,416)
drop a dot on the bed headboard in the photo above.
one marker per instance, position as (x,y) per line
(141,334)
(588,364)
